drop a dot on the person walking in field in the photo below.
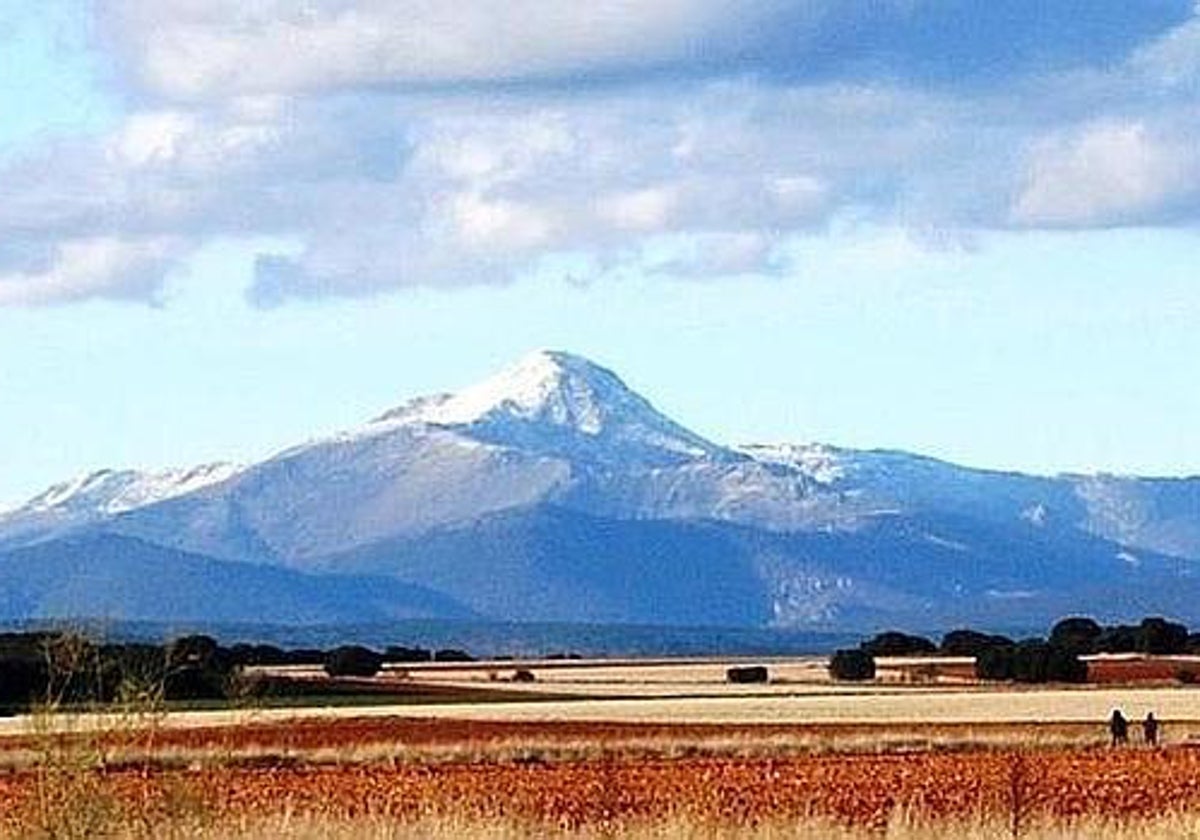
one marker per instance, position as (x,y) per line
(1150,730)
(1118,727)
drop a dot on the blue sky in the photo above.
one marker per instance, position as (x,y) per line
(965,229)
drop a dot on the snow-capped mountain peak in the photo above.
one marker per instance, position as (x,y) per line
(116,491)
(558,393)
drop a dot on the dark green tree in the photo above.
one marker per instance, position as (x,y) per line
(353,661)
(1078,634)
(995,662)
(895,643)
(854,665)
(198,668)
(971,642)
(1035,661)
(1118,639)
(1159,636)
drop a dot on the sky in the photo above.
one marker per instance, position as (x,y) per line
(966,229)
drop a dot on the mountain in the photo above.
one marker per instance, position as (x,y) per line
(556,402)
(100,495)
(121,579)
(554,492)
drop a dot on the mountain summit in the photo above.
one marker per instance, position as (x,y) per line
(553,397)
(553,492)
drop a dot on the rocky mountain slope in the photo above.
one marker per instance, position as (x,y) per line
(553,492)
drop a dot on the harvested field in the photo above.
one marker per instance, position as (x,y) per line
(1144,670)
(859,790)
(430,741)
(843,757)
(1178,707)
(598,679)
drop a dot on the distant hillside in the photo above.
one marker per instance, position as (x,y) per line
(123,579)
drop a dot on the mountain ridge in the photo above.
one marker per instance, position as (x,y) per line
(561,449)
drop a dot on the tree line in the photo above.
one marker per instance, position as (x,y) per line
(1055,658)
(65,668)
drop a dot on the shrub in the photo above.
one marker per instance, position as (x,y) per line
(397,653)
(193,682)
(1035,661)
(995,663)
(524,676)
(353,661)
(1119,639)
(1159,636)
(194,650)
(452,655)
(856,665)
(1078,634)
(74,669)
(972,643)
(197,669)
(1031,661)
(1065,666)
(133,670)
(25,645)
(306,656)
(894,643)
(747,674)
(246,654)
(22,682)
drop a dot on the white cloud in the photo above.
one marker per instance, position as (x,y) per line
(212,49)
(187,49)
(645,210)
(1106,173)
(500,224)
(1172,60)
(152,137)
(362,132)
(88,268)
(389,191)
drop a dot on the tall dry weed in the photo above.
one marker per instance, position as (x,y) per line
(903,826)
(76,739)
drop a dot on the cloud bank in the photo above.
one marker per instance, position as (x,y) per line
(429,143)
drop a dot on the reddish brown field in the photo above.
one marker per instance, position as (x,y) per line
(612,783)
(1134,671)
(303,737)
(859,789)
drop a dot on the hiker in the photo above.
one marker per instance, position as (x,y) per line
(1118,727)
(1150,730)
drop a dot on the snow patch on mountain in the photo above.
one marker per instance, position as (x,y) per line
(110,492)
(823,464)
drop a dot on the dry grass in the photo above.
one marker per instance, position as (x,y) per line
(198,826)
(548,749)
(74,792)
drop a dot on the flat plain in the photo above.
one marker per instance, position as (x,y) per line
(629,745)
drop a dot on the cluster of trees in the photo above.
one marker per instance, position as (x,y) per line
(59,668)
(1052,659)
(67,668)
